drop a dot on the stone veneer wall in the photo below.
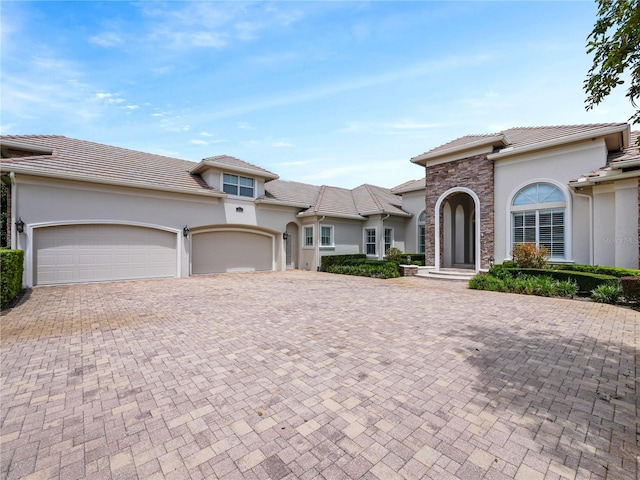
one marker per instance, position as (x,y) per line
(638,222)
(474,173)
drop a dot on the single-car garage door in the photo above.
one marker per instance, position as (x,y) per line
(231,251)
(93,253)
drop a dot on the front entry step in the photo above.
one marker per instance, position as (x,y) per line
(446,273)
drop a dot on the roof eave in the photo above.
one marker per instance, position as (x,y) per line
(204,164)
(103,181)
(284,203)
(485,141)
(606,177)
(555,142)
(315,213)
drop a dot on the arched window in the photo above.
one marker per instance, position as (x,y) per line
(538,216)
(422,220)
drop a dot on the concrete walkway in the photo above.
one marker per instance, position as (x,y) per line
(312,375)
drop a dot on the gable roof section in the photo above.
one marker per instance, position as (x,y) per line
(232,164)
(410,186)
(288,193)
(518,140)
(82,160)
(624,163)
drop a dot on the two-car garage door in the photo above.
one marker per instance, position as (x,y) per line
(227,251)
(91,253)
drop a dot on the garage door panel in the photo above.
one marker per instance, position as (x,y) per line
(85,253)
(231,251)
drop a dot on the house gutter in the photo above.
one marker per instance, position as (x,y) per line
(333,215)
(282,204)
(604,178)
(14,206)
(119,183)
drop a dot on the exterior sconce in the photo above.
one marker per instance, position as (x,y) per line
(185,231)
(20,225)
(285,236)
(239,209)
(491,261)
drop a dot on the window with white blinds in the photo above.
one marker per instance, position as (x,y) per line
(538,217)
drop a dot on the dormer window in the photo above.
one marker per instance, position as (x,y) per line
(237,185)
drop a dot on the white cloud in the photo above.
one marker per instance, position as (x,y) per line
(107,39)
(245,126)
(281,143)
(196,141)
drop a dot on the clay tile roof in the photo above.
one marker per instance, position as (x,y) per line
(409,186)
(235,163)
(336,201)
(291,192)
(631,152)
(84,160)
(372,199)
(519,137)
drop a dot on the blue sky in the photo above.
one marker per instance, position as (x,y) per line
(334,93)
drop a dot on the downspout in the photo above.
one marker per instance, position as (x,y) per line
(14,206)
(318,242)
(590,199)
(381,257)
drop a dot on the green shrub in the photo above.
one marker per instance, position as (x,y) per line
(527,255)
(606,293)
(328,260)
(600,270)
(584,280)
(368,268)
(394,254)
(11,266)
(545,286)
(630,287)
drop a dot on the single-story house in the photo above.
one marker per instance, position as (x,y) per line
(86,212)
(573,189)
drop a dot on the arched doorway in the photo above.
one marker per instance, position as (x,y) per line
(457,230)
(291,246)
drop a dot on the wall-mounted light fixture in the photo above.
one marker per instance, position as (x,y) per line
(285,236)
(492,261)
(185,231)
(239,209)
(20,225)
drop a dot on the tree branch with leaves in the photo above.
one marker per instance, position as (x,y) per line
(615,43)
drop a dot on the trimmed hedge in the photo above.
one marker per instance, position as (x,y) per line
(330,260)
(630,287)
(586,281)
(367,268)
(11,266)
(600,270)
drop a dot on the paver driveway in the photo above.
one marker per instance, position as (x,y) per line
(312,375)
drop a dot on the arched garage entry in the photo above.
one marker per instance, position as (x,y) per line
(82,252)
(228,250)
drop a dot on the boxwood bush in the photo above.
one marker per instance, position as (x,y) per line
(329,260)
(11,266)
(586,281)
(367,268)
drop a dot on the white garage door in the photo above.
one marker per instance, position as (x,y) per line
(93,253)
(231,251)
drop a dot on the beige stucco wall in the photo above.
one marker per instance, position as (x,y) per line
(41,202)
(557,166)
(412,202)
(615,212)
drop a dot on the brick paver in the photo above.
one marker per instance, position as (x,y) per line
(311,375)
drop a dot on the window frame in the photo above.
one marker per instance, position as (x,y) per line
(305,237)
(366,241)
(331,243)
(391,238)
(238,185)
(422,232)
(533,211)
